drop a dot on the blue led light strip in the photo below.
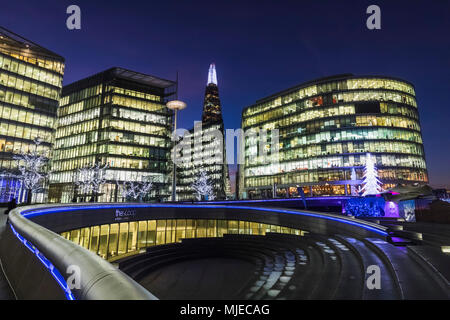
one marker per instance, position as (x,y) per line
(37,212)
(54,272)
(230,202)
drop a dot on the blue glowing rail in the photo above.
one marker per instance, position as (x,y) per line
(50,267)
(37,212)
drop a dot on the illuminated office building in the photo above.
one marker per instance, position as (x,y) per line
(209,154)
(326,127)
(119,118)
(30,86)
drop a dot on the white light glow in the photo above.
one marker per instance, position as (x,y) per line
(212,75)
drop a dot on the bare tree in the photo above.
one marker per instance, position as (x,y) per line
(203,187)
(32,170)
(90,179)
(135,190)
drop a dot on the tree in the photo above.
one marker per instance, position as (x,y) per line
(371,183)
(32,170)
(203,187)
(135,190)
(90,179)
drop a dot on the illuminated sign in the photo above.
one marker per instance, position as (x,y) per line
(124,214)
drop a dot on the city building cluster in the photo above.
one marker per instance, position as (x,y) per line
(115,127)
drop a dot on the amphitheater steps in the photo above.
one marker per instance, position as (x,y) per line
(351,278)
(329,278)
(311,266)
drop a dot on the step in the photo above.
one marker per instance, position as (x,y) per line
(436,262)
(399,241)
(351,278)
(306,275)
(329,277)
(389,290)
(413,280)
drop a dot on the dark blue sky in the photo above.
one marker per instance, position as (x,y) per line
(259,47)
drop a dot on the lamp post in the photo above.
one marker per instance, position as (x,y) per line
(175,105)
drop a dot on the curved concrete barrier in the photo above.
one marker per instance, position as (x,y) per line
(38,262)
(60,218)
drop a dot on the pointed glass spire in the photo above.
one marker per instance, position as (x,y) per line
(212,111)
(212,75)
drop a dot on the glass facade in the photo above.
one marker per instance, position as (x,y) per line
(326,127)
(114,241)
(210,154)
(30,86)
(118,118)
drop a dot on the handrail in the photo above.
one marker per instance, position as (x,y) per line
(99,280)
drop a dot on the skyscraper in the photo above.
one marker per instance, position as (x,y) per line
(203,147)
(212,111)
(30,86)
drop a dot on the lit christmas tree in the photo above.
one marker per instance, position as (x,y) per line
(203,188)
(371,183)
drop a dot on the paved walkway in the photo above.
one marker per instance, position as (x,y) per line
(5,291)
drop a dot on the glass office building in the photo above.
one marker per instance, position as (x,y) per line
(30,87)
(326,127)
(206,148)
(208,156)
(117,240)
(116,118)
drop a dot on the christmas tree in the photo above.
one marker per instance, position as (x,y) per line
(371,183)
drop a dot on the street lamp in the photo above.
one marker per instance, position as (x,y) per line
(175,105)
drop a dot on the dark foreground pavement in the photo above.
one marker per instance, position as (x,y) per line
(5,291)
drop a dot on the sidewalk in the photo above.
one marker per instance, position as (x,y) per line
(5,291)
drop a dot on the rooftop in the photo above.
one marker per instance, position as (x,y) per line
(119,73)
(11,39)
(141,77)
(322,80)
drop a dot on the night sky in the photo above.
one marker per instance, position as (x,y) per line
(259,47)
